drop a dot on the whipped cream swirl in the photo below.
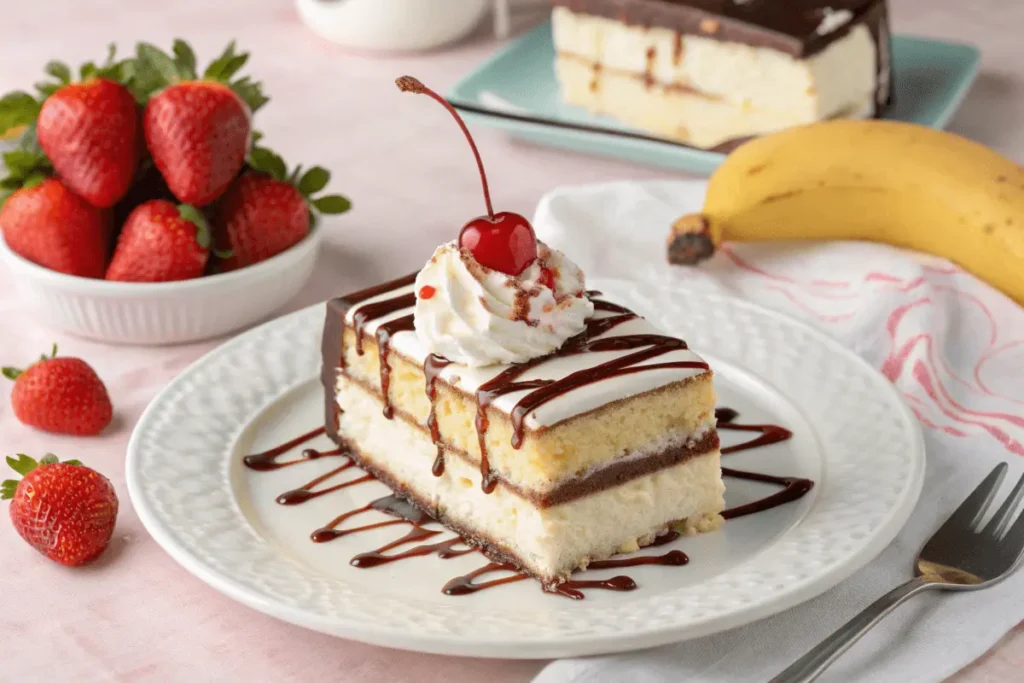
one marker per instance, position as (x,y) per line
(476,316)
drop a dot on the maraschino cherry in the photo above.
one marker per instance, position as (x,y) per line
(503,241)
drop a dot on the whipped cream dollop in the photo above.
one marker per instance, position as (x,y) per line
(476,316)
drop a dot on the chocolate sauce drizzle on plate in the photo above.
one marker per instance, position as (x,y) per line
(769,433)
(793,488)
(400,511)
(268,460)
(305,492)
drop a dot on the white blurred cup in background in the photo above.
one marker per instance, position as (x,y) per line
(392,25)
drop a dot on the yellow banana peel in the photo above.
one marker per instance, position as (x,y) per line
(880,181)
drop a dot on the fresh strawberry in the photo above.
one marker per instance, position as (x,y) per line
(89,129)
(64,510)
(60,395)
(90,132)
(198,131)
(266,211)
(161,242)
(48,224)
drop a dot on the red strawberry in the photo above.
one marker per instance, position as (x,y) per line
(198,131)
(50,225)
(161,242)
(64,510)
(266,211)
(90,132)
(60,395)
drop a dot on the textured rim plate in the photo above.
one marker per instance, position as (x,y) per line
(864,449)
(930,77)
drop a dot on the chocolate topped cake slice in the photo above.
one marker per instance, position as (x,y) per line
(574,455)
(711,73)
(543,423)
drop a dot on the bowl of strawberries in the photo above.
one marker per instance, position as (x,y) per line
(141,207)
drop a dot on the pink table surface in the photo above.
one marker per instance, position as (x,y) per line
(136,615)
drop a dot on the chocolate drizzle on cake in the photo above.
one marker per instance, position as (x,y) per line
(644,347)
(432,367)
(542,391)
(384,334)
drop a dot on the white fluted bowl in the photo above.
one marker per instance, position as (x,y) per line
(165,312)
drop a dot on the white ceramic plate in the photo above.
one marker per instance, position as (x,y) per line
(853,436)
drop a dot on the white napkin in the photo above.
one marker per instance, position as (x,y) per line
(954,348)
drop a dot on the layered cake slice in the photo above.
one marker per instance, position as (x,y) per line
(710,73)
(543,423)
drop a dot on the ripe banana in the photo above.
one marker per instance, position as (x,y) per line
(881,181)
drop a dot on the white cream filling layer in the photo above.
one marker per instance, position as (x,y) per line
(551,541)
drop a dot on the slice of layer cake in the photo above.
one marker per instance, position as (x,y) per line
(549,464)
(712,72)
(543,423)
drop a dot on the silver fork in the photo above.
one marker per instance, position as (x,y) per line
(958,557)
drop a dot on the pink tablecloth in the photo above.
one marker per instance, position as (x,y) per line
(136,615)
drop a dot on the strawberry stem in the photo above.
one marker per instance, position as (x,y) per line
(410,84)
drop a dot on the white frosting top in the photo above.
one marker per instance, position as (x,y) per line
(476,316)
(568,405)
(832,20)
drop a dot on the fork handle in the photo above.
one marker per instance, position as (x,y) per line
(812,664)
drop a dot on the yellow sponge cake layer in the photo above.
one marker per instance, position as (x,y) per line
(675,413)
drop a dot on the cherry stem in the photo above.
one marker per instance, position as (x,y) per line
(410,84)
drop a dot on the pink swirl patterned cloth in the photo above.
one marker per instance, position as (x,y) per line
(953,347)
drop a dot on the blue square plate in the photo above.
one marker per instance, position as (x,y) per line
(516,90)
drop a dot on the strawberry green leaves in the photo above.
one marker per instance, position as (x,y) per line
(309,183)
(58,70)
(111,69)
(23,464)
(265,161)
(14,373)
(185,59)
(154,70)
(27,165)
(313,180)
(226,65)
(17,109)
(153,63)
(203,235)
(332,204)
